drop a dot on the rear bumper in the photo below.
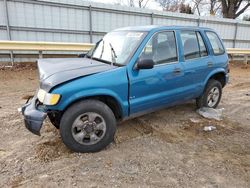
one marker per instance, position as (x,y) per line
(33,117)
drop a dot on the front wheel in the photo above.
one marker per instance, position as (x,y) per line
(88,126)
(211,95)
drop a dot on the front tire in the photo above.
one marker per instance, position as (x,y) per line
(88,126)
(211,95)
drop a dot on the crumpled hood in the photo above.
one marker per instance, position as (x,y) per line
(55,71)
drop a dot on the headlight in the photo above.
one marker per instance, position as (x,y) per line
(47,98)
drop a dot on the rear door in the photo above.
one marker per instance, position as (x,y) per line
(196,60)
(161,85)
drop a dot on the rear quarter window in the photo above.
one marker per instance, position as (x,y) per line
(215,42)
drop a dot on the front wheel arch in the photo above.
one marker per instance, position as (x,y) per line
(110,101)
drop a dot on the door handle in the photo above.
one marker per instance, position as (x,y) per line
(177,70)
(210,64)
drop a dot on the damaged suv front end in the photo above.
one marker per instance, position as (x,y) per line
(35,111)
(54,72)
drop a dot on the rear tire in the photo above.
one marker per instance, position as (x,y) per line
(211,96)
(88,126)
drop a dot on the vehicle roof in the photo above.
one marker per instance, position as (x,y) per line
(160,27)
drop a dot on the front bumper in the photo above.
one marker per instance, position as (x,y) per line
(33,117)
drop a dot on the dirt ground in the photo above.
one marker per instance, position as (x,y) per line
(167,148)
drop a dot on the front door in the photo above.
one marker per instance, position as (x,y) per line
(161,85)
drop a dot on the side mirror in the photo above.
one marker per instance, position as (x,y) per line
(144,64)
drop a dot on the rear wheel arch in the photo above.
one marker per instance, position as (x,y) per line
(219,76)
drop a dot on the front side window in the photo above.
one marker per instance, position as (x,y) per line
(215,43)
(190,45)
(161,48)
(117,46)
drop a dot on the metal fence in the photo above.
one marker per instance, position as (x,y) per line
(82,21)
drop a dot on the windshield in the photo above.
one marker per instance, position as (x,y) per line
(116,47)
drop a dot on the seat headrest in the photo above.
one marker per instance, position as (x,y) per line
(190,45)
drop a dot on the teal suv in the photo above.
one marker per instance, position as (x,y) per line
(130,72)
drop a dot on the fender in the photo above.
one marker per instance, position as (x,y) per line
(215,71)
(66,101)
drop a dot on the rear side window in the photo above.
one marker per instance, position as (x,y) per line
(193,45)
(190,45)
(215,43)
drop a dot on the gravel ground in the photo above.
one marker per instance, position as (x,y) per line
(167,148)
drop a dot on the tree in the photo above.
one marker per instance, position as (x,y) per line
(170,5)
(206,7)
(197,6)
(176,6)
(185,9)
(141,3)
(131,3)
(214,6)
(231,8)
(246,18)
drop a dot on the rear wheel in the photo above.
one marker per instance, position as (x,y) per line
(211,96)
(88,126)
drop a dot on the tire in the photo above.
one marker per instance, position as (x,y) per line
(55,119)
(88,126)
(203,100)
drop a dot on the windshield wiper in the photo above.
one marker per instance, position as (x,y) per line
(91,52)
(113,54)
(102,50)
